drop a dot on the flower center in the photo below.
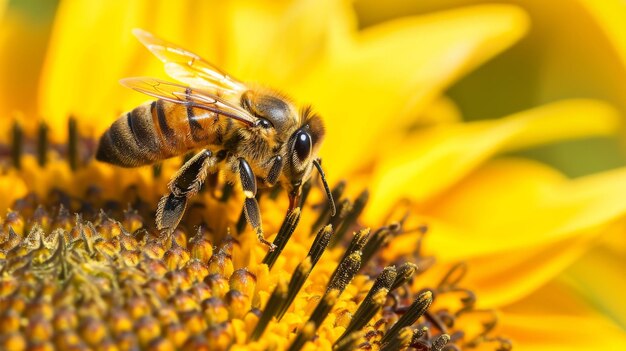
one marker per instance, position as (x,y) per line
(91,270)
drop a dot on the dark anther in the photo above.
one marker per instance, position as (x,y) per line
(17,145)
(271,309)
(343,208)
(372,303)
(284,233)
(348,269)
(356,245)
(352,215)
(398,341)
(453,277)
(72,146)
(378,239)
(348,342)
(405,273)
(416,310)
(298,279)
(42,144)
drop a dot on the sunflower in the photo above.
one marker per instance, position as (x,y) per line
(434,228)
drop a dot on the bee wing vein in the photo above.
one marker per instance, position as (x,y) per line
(186,66)
(188,96)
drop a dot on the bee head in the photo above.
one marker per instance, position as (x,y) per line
(302,147)
(302,150)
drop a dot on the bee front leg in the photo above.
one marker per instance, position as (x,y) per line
(184,184)
(251,206)
(275,169)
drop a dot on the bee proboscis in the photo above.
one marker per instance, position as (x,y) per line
(256,136)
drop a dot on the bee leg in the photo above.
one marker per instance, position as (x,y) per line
(275,170)
(184,184)
(251,206)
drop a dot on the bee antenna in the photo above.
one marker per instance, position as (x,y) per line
(331,201)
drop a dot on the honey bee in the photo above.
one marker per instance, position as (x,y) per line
(254,135)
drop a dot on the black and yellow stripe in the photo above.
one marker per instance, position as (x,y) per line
(159,130)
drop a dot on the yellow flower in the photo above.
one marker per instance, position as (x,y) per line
(391,128)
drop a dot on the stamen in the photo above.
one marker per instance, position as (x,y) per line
(347,269)
(343,209)
(416,310)
(306,334)
(303,270)
(405,273)
(271,309)
(42,144)
(351,217)
(284,233)
(320,243)
(440,342)
(453,277)
(349,342)
(398,341)
(326,304)
(372,303)
(378,240)
(72,145)
(356,245)
(17,147)
(418,334)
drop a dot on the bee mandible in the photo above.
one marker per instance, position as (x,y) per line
(254,135)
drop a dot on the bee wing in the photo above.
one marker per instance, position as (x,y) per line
(187,67)
(185,95)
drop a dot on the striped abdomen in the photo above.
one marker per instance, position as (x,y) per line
(159,130)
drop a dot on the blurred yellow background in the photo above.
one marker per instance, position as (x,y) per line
(445,102)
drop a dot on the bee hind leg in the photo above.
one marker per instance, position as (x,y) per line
(184,184)
(251,206)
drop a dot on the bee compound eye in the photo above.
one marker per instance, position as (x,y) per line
(302,145)
(264,123)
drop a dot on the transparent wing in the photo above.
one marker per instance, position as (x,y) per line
(185,95)
(187,67)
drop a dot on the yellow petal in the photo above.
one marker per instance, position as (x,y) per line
(3,5)
(556,318)
(433,160)
(598,278)
(541,331)
(519,272)
(441,111)
(609,16)
(23,38)
(525,217)
(278,44)
(379,81)
(552,234)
